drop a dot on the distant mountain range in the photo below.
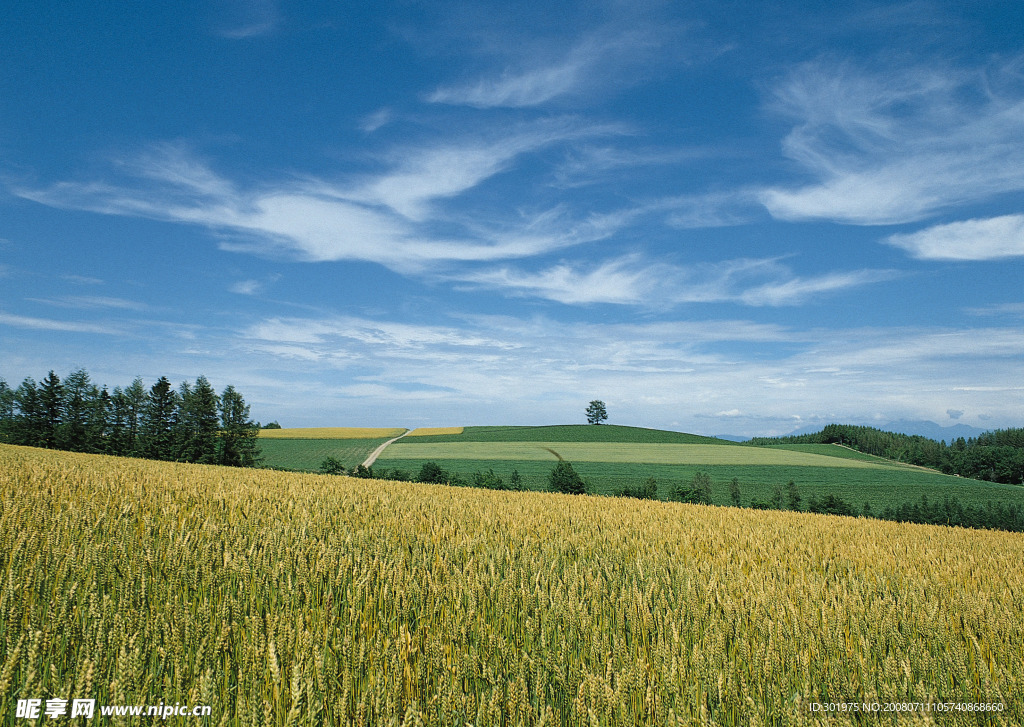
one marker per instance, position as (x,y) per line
(902,426)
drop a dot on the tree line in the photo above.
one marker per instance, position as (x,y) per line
(996,456)
(189,424)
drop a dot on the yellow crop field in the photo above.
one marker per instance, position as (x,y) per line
(280,598)
(331,433)
(430,431)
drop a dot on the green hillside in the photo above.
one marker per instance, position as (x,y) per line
(307,454)
(615,457)
(568,433)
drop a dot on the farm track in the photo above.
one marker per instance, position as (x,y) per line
(377,452)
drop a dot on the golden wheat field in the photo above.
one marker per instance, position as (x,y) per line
(315,600)
(431,431)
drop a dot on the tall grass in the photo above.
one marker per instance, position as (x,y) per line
(279,598)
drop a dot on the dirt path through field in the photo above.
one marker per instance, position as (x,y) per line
(377,452)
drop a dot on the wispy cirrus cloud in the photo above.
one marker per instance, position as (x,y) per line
(92,301)
(999,309)
(329,331)
(615,281)
(536,75)
(388,218)
(421,176)
(898,146)
(798,290)
(378,119)
(516,89)
(246,287)
(980,239)
(240,19)
(634,281)
(82,280)
(50,324)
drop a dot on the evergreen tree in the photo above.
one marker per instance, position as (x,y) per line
(118,425)
(239,446)
(51,399)
(98,421)
(30,420)
(80,397)
(7,400)
(198,423)
(135,407)
(156,429)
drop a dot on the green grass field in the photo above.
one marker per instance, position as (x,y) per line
(878,486)
(614,457)
(696,454)
(307,454)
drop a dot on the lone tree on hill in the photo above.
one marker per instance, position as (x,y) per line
(596,412)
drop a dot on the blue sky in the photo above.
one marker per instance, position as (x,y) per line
(718,217)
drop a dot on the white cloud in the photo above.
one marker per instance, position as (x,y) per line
(533,82)
(899,146)
(980,239)
(242,19)
(81,280)
(92,301)
(616,281)
(527,88)
(246,287)
(48,324)
(379,118)
(631,280)
(364,331)
(719,209)
(999,309)
(798,290)
(425,175)
(752,375)
(539,70)
(389,219)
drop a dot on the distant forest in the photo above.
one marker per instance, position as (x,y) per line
(190,424)
(996,456)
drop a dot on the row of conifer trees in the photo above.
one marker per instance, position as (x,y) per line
(189,424)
